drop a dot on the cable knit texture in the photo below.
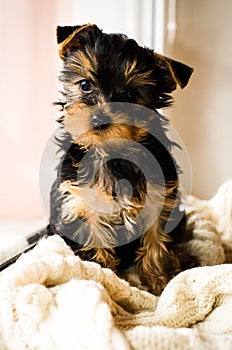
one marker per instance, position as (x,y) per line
(51,299)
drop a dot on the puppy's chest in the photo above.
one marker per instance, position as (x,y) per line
(104,187)
(106,200)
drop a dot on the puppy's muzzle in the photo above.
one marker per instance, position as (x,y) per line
(100,121)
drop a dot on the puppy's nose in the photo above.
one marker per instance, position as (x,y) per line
(100,121)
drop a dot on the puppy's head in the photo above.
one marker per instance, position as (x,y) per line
(102,74)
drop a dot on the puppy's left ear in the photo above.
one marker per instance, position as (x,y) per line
(181,72)
(171,73)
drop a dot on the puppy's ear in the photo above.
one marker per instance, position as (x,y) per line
(171,73)
(76,38)
(181,72)
(63,32)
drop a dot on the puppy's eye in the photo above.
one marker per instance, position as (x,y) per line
(129,96)
(85,86)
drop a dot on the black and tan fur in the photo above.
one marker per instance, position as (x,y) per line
(112,90)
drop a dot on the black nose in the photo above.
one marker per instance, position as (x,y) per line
(100,121)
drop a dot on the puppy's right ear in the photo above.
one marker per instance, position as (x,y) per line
(75,38)
(63,32)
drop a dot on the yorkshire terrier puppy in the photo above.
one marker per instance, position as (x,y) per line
(116,198)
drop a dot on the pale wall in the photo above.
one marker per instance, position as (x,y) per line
(203,111)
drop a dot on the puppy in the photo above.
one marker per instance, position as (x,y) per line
(116,198)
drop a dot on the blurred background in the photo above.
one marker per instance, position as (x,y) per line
(196,32)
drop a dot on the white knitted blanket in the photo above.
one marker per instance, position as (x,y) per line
(50,299)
